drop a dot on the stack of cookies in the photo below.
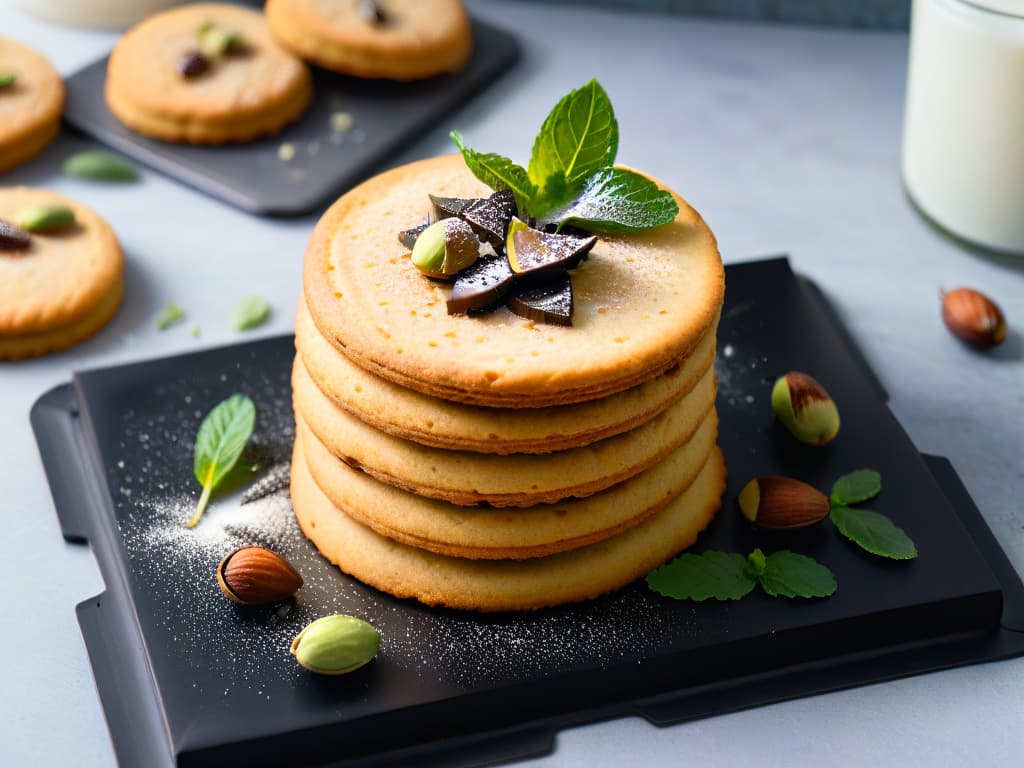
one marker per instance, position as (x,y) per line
(491,462)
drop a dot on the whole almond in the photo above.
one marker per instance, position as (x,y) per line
(255,575)
(973,317)
(781,502)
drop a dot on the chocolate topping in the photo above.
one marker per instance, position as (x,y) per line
(551,303)
(538,256)
(192,64)
(484,284)
(372,12)
(13,238)
(489,216)
(407,237)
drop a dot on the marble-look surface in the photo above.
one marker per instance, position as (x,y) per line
(786,139)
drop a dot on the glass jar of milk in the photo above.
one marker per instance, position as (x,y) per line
(107,14)
(963,138)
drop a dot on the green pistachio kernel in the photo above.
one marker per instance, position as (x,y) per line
(45,217)
(336,645)
(445,248)
(7,79)
(805,408)
(216,42)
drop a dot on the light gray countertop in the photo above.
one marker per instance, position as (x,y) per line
(786,139)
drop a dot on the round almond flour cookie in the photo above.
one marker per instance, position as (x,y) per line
(489,533)
(441,423)
(394,39)
(505,585)
(30,106)
(642,303)
(64,286)
(161,84)
(517,480)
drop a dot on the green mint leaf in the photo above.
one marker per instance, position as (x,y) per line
(169,315)
(787,574)
(615,201)
(222,437)
(857,486)
(7,79)
(252,312)
(873,532)
(498,172)
(100,166)
(579,137)
(756,562)
(719,575)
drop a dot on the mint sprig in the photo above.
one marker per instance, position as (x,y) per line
(219,444)
(727,576)
(871,531)
(571,178)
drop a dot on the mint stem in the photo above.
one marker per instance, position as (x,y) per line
(201,506)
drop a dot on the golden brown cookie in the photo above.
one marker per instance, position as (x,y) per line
(444,424)
(643,303)
(489,533)
(519,480)
(64,287)
(241,95)
(30,106)
(394,39)
(505,585)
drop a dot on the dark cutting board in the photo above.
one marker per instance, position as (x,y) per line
(387,115)
(188,678)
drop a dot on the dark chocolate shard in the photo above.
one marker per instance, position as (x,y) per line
(538,256)
(550,303)
(192,64)
(491,217)
(13,238)
(446,207)
(407,237)
(372,12)
(481,286)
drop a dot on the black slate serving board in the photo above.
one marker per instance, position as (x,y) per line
(387,115)
(187,678)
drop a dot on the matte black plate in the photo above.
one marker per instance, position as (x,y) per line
(387,115)
(188,678)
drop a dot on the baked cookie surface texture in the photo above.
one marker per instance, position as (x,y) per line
(31,99)
(205,74)
(392,39)
(60,287)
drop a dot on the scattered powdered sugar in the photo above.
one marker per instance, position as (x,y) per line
(185,616)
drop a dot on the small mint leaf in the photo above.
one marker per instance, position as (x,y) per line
(614,201)
(755,564)
(698,577)
(579,137)
(857,486)
(787,574)
(498,172)
(873,532)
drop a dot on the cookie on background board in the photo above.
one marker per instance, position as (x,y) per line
(59,283)
(31,99)
(388,39)
(205,74)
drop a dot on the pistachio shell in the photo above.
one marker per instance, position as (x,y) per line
(336,645)
(45,217)
(805,408)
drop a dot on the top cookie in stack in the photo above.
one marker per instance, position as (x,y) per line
(488,461)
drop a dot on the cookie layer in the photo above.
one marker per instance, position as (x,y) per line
(241,97)
(520,480)
(505,585)
(643,303)
(416,39)
(441,423)
(64,287)
(489,533)
(30,108)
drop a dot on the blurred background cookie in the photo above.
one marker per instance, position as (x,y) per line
(393,39)
(31,98)
(60,272)
(205,74)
